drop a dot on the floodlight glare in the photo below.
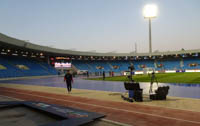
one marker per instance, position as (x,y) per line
(150,11)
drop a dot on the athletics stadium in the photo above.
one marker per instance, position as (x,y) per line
(150,88)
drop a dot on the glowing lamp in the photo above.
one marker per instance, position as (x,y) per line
(150,11)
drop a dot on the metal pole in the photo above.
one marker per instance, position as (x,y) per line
(135,47)
(150,46)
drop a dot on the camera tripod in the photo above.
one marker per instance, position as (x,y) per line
(153,79)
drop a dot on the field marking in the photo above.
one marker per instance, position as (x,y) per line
(106,120)
(168,107)
(143,113)
(100,99)
(114,122)
(11,98)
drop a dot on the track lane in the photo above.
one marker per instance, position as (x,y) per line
(133,114)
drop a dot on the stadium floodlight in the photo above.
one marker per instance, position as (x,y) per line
(150,11)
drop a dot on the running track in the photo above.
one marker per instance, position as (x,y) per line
(128,113)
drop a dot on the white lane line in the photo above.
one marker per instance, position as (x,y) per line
(143,113)
(114,122)
(11,98)
(164,107)
(106,120)
(195,111)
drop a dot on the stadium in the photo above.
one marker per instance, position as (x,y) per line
(114,89)
(44,60)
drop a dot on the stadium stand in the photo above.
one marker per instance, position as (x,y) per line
(14,66)
(191,64)
(118,66)
(170,61)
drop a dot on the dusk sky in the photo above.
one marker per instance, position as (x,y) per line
(102,25)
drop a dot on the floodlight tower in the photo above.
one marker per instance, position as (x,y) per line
(150,12)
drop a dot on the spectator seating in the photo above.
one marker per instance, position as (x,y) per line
(21,66)
(166,64)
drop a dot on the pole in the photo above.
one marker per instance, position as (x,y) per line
(135,47)
(150,46)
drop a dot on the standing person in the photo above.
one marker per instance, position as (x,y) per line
(87,74)
(131,67)
(104,75)
(69,80)
(112,73)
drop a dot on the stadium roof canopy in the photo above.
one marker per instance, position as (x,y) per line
(10,41)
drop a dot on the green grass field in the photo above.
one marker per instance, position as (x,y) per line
(189,78)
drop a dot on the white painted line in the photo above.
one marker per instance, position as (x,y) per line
(143,113)
(126,103)
(11,98)
(114,122)
(106,120)
(169,107)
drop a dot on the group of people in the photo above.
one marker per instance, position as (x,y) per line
(68,78)
(111,74)
(103,74)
